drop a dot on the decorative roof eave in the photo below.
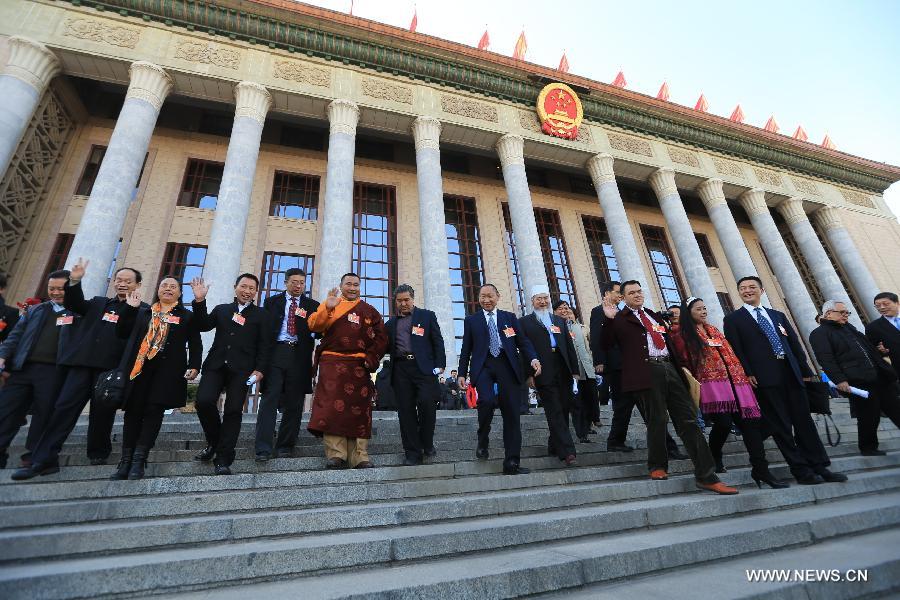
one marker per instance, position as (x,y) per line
(322,33)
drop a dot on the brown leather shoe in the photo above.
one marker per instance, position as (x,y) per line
(570,460)
(717,487)
(658,474)
(335,463)
(365,465)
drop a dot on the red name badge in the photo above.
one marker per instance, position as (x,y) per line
(66,320)
(111,317)
(554,329)
(237,318)
(714,343)
(300,312)
(509,332)
(659,329)
(353,318)
(572,334)
(173,320)
(3,325)
(420,331)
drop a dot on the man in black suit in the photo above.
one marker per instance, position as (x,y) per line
(775,364)
(28,360)
(549,335)
(884,332)
(237,359)
(416,348)
(289,378)
(490,357)
(9,315)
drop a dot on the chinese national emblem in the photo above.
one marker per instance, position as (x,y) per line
(560,111)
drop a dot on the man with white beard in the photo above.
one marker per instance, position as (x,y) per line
(550,337)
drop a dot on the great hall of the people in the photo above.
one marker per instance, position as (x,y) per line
(187,136)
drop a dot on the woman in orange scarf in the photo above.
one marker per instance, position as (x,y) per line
(163,353)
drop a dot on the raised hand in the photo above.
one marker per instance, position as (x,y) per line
(333,299)
(77,272)
(134,298)
(610,309)
(200,289)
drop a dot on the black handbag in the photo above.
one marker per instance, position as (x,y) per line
(819,396)
(109,391)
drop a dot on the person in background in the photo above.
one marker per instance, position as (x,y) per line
(884,332)
(586,406)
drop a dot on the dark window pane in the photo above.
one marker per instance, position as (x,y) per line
(202,180)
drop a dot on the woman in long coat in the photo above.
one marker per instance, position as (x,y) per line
(163,353)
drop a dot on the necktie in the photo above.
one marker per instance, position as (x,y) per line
(494,335)
(767,329)
(292,323)
(547,325)
(897,322)
(656,336)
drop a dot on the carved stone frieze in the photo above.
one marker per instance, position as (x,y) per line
(767,177)
(857,198)
(208,54)
(683,157)
(629,143)
(726,167)
(456,105)
(290,70)
(377,88)
(103,32)
(806,186)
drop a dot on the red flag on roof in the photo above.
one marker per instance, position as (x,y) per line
(521,47)
(485,41)
(563,63)
(702,105)
(415,21)
(619,81)
(800,134)
(827,143)
(663,93)
(737,115)
(771,125)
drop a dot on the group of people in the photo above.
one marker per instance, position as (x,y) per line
(123,353)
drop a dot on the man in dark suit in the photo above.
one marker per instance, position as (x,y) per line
(649,370)
(9,315)
(289,378)
(775,364)
(237,359)
(549,335)
(28,361)
(884,332)
(608,363)
(416,348)
(492,342)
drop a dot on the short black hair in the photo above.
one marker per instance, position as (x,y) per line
(750,278)
(608,286)
(163,278)
(889,295)
(351,274)
(137,274)
(678,306)
(560,302)
(490,285)
(60,274)
(294,271)
(404,288)
(630,282)
(246,276)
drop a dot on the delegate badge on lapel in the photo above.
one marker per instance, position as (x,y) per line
(418,330)
(713,343)
(173,320)
(111,317)
(509,332)
(555,329)
(3,324)
(782,330)
(300,312)
(65,320)
(353,318)
(237,318)
(659,329)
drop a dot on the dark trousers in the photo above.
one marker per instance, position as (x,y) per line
(785,412)
(222,432)
(751,435)
(669,394)
(556,398)
(585,407)
(416,394)
(142,423)
(76,386)
(498,371)
(34,387)
(623,406)
(285,389)
(882,399)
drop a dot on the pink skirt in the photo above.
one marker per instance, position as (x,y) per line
(718,397)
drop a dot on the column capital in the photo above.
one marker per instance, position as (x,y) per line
(31,62)
(600,167)
(828,217)
(792,210)
(149,82)
(754,202)
(511,149)
(711,193)
(663,182)
(427,133)
(343,115)
(252,100)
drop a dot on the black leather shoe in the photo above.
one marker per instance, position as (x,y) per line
(873,453)
(431,452)
(138,463)
(33,471)
(482,454)
(206,454)
(832,477)
(98,461)
(619,448)
(124,465)
(811,479)
(769,480)
(284,454)
(515,470)
(677,455)
(262,457)
(412,461)
(223,470)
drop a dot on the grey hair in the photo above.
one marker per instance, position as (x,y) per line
(404,288)
(829,306)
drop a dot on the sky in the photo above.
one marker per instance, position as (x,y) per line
(828,65)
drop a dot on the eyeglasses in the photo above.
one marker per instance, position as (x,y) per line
(845,313)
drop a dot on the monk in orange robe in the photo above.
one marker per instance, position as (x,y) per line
(353,341)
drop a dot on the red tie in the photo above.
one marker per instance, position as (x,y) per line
(656,336)
(292,323)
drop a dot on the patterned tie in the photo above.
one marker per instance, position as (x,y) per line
(292,323)
(495,336)
(656,336)
(767,329)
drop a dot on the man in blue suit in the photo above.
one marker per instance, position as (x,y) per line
(775,363)
(490,357)
(416,348)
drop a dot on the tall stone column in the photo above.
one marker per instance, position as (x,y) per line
(663,183)
(435,261)
(511,149)
(628,257)
(847,253)
(104,215)
(226,240)
(337,214)
(30,68)
(736,252)
(796,294)
(818,261)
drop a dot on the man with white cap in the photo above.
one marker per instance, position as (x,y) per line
(550,337)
